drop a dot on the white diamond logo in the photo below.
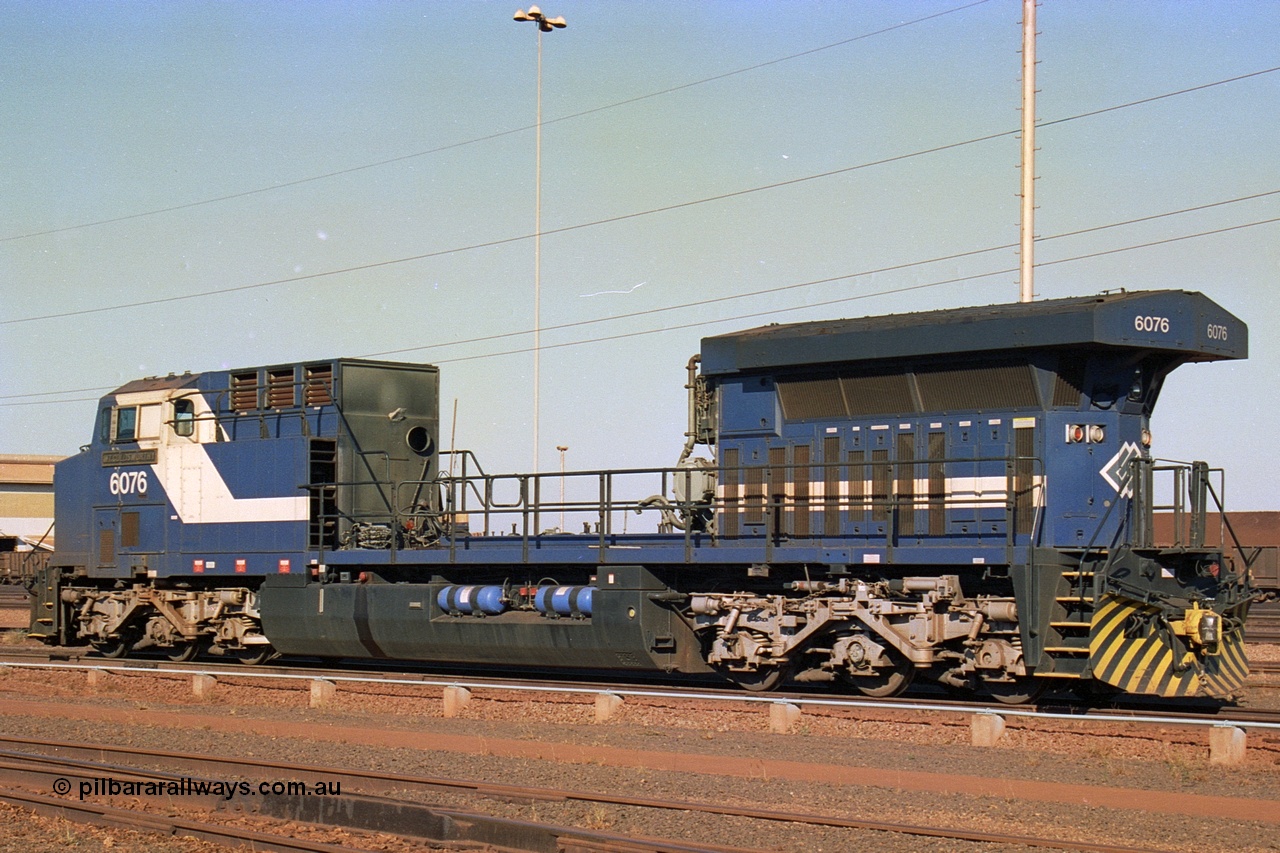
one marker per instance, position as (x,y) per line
(1118,471)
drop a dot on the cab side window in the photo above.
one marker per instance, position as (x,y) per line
(127,423)
(184,417)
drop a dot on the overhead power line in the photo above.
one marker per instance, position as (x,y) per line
(786,287)
(497,242)
(620,218)
(491,136)
(1155,98)
(767,291)
(782,288)
(775,311)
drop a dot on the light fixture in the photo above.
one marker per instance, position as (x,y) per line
(544,23)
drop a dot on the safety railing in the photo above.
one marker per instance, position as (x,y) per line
(882,503)
(1185,490)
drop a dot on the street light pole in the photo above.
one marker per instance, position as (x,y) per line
(545,25)
(1027,231)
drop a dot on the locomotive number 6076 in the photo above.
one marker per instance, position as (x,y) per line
(128,483)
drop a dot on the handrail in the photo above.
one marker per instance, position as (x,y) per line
(772,504)
(1192,488)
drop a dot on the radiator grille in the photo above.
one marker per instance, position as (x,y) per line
(755,495)
(1068,384)
(881,484)
(280,389)
(1024,493)
(244,391)
(937,484)
(1007,386)
(729,479)
(857,460)
(129,537)
(831,486)
(319,383)
(106,547)
(811,398)
(906,483)
(989,386)
(800,524)
(874,395)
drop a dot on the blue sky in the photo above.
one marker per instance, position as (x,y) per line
(188,186)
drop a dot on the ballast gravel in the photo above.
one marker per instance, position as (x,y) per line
(163,713)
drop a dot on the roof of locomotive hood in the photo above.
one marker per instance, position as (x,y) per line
(219,379)
(157,383)
(1174,321)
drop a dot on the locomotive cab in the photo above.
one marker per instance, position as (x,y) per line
(195,487)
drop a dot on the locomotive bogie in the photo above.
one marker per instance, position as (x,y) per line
(863,630)
(140,616)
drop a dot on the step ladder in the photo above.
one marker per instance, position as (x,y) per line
(1067,642)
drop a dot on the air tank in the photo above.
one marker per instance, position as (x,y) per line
(471,599)
(564,600)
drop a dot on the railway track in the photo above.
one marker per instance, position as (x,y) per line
(1130,710)
(14,598)
(1264,667)
(130,818)
(458,798)
(361,805)
(1264,626)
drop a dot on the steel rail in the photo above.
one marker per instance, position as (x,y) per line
(383,780)
(110,816)
(404,819)
(1241,719)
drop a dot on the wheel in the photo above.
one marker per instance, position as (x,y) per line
(886,682)
(760,680)
(181,652)
(254,655)
(117,647)
(1019,691)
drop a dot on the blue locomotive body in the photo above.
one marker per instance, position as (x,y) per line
(1052,400)
(199,482)
(962,494)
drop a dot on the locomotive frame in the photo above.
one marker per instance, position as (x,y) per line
(964,495)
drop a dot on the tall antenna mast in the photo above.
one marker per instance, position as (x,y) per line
(1028,226)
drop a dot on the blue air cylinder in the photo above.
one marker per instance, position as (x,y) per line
(469,599)
(564,600)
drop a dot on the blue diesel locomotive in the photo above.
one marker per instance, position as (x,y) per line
(960,495)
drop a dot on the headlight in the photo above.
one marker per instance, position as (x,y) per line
(1210,628)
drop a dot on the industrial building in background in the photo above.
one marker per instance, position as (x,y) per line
(26,513)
